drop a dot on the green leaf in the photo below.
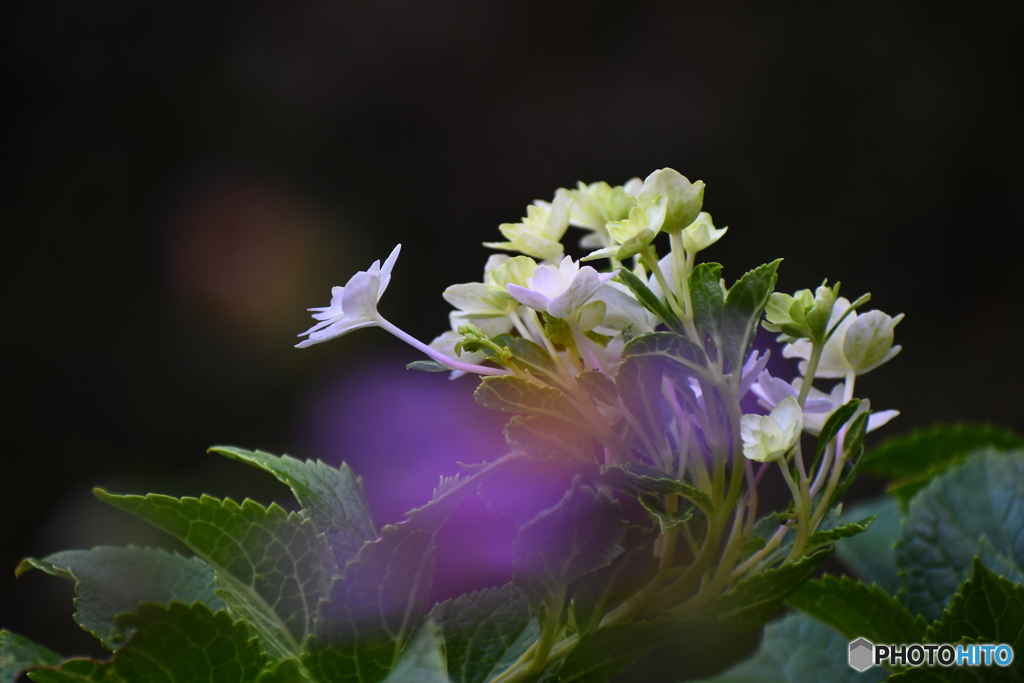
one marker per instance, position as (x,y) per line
(670,347)
(110,581)
(332,497)
(834,423)
(583,532)
(859,610)
(423,661)
(708,299)
(544,436)
(912,460)
(872,556)
(799,649)
(517,395)
(743,307)
(755,599)
(382,598)
(18,653)
(650,300)
(640,480)
(428,366)
(173,644)
(529,355)
(639,383)
(272,567)
(982,497)
(484,632)
(598,386)
(826,536)
(987,609)
(601,590)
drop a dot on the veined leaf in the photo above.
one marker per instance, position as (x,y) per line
(859,610)
(111,581)
(744,305)
(708,299)
(382,598)
(332,497)
(517,395)
(872,556)
(910,461)
(272,567)
(756,599)
(799,649)
(668,346)
(583,532)
(639,480)
(18,654)
(987,609)
(529,355)
(484,632)
(650,300)
(177,644)
(423,660)
(826,536)
(982,497)
(545,436)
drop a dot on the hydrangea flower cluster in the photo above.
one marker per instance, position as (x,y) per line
(636,361)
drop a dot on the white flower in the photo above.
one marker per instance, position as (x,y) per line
(818,407)
(769,437)
(540,233)
(860,344)
(559,291)
(354,305)
(701,234)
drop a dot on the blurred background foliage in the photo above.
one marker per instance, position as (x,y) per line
(185,178)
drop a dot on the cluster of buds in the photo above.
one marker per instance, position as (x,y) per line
(643,363)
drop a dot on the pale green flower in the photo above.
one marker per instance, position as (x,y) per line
(594,205)
(684,198)
(701,234)
(630,237)
(541,230)
(859,344)
(802,315)
(770,437)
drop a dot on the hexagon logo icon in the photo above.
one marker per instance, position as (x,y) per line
(862,654)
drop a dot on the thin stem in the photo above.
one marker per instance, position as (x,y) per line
(437,355)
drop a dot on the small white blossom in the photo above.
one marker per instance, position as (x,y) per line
(701,234)
(769,437)
(559,291)
(541,230)
(353,306)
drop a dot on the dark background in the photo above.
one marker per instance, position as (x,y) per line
(185,178)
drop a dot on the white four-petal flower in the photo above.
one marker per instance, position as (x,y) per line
(353,306)
(559,291)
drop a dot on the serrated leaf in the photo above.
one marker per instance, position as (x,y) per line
(583,532)
(638,480)
(912,460)
(173,644)
(708,299)
(668,346)
(423,660)
(650,300)
(982,497)
(596,593)
(744,305)
(826,536)
(110,581)
(272,567)
(517,395)
(988,609)
(484,632)
(799,649)
(756,599)
(18,653)
(872,556)
(545,436)
(332,497)
(858,610)
(381,600)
